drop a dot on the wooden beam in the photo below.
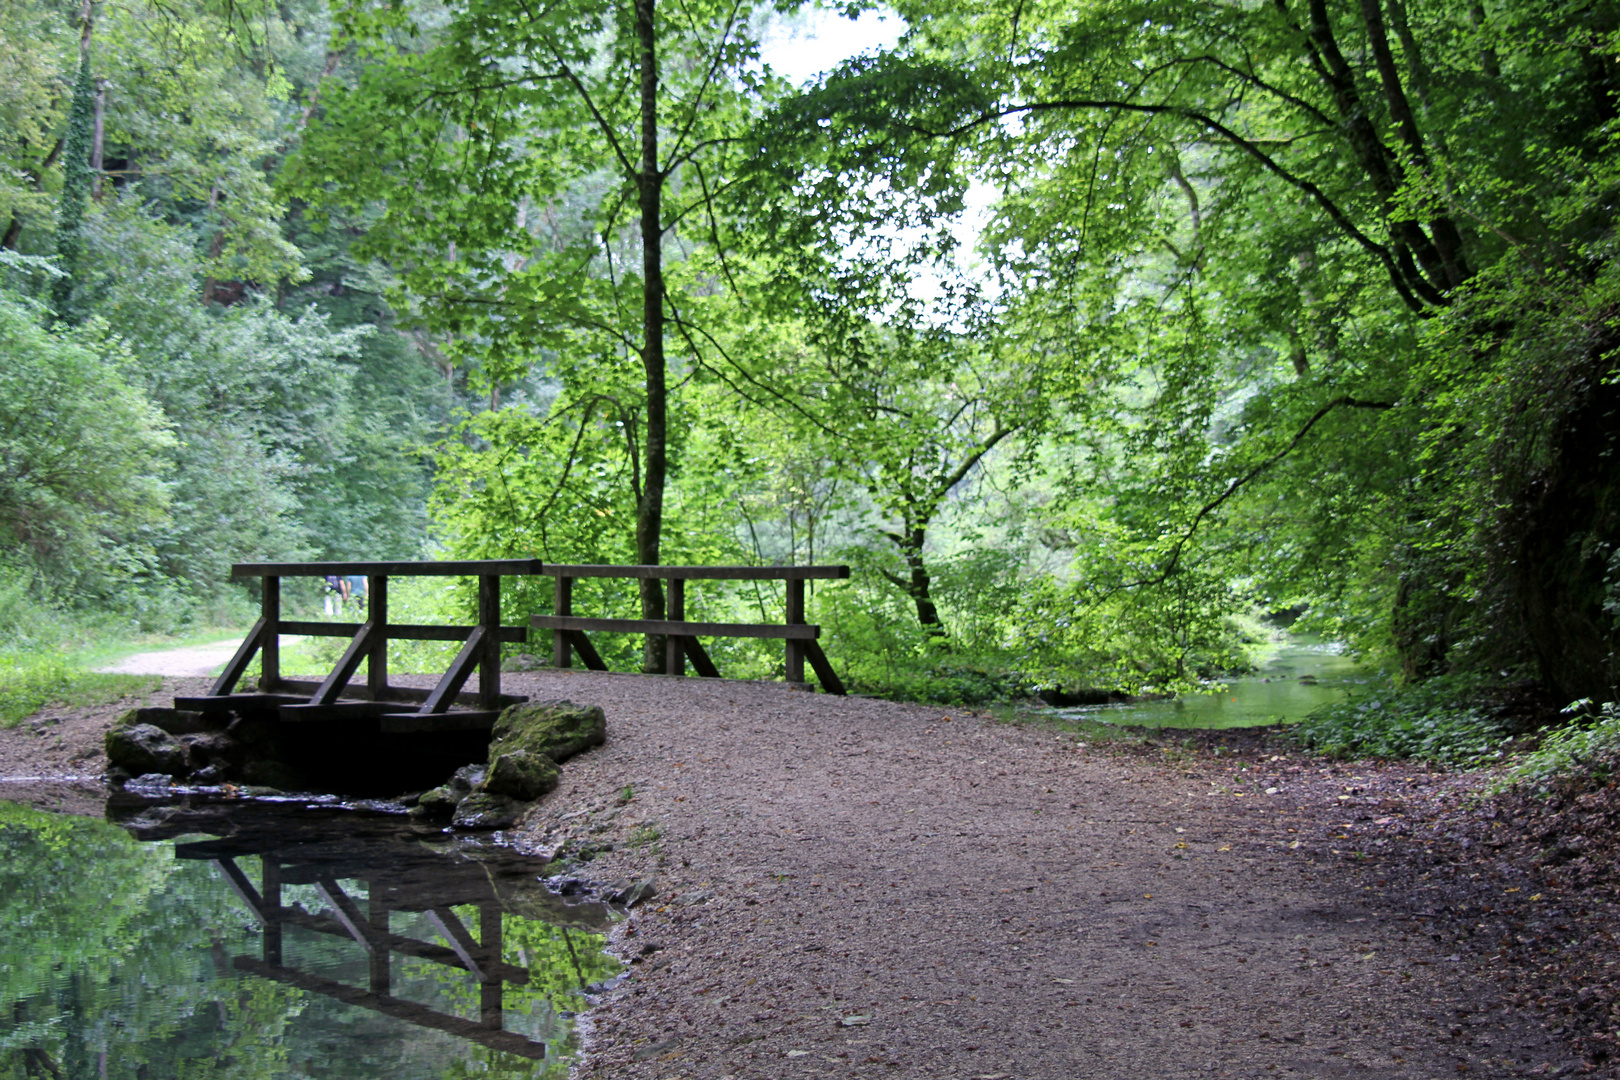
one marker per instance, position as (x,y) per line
(270,647)
(445,922)
(399,631)
(700,659)
(417,723)
(587,651)
(669,626)
(244,655)
(347,664)
(244,890)
(417,568)
(377,616)
(468,658)
(489,621)
(693,573)
(304,712)
(422,1016)
(824,671)
(346,911)
(563,604)
(795,617)
(238,702)
(417,694)
(674,651)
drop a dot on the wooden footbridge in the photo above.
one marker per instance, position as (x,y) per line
(448,705)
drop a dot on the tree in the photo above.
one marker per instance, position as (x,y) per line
(1305,241)
(546,177)
(80,455)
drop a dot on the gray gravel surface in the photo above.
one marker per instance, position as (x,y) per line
(853,887)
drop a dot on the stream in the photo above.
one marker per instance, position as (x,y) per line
(1304,674)
(283,941)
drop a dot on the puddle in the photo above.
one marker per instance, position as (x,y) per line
(282,942)
(1305,674)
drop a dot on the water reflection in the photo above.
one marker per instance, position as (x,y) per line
(280,942)
(1304,674)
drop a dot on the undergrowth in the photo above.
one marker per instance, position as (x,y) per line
(1585,753)
(31,681)
(1450,718)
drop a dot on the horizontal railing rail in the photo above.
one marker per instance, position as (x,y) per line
(401,708)
(682,636)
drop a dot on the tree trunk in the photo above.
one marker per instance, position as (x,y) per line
(917,583)
(650,185)
(1562,538)
(97,136)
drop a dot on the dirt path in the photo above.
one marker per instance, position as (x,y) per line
(194,661)
(857,888)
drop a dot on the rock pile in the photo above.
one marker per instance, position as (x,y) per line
(526,747)
(189,746)
(161,746)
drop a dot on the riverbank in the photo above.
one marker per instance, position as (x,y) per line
(864,888)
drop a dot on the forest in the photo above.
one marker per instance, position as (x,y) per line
(1096,337)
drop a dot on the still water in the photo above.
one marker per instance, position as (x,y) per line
(281,942)
(1304,674)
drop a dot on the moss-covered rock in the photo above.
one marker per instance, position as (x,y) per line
(144,748)
(485,810)
(522,774)
(556,729)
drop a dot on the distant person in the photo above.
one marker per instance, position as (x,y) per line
(336,592)
(355,586)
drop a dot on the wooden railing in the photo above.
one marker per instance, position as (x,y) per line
(681,636)
(401,708)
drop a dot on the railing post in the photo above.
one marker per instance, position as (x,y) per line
(270,895)
(674,644)
(270,648)
(377,917)
(561,654)
(377,615)
(795,616)
(489,665)
(491,990)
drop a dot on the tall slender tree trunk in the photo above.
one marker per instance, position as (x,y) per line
(650,189)
(911,541)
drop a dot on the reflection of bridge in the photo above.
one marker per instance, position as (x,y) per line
(400,874)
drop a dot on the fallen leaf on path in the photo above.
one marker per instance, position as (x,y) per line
(855,1021)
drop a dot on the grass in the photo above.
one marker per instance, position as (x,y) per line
(30,682)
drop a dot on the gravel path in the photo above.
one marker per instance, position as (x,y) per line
(856,888)
(193,661)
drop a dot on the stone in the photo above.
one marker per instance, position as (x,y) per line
(439,802)
(208,775)
(632,893)
(523,662)
(557,729)
(486,810)
(173,721)
(466,780)
(208,749)
(144,748)
(521,774)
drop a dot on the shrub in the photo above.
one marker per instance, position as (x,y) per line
(1447,718)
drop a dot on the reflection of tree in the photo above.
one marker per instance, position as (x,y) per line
(123,964)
